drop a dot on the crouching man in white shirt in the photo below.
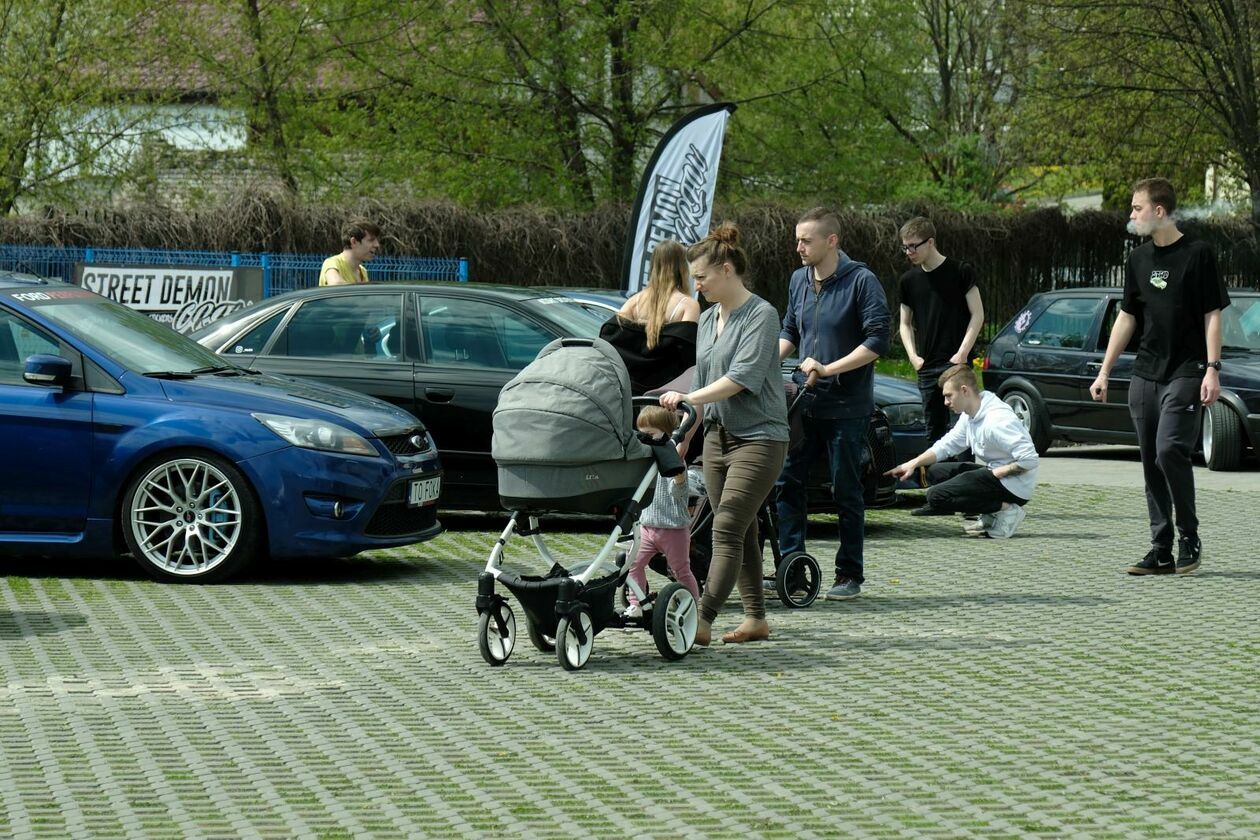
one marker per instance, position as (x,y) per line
(998,488)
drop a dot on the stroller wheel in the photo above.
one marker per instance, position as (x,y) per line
(798,580)
(543,642)
(574,639)
(674,619)
(496,633)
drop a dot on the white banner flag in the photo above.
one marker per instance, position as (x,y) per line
(675,199)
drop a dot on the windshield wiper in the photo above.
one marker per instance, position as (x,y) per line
(1238,348)
(224,370)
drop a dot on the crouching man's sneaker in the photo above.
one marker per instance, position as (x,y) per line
(1158,561)
(978,527)
(1188,551)
(1006,522)
(844,589)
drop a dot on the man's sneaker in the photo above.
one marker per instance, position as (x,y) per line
(1188,551)
(1158,561)
(978,527)
(768,587)
(928,510)
(844,589)
(633,611)
(1006,522)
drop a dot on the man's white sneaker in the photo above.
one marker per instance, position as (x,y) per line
(978,527)
(633,611)
(1006,522)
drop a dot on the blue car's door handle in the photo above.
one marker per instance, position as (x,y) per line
(439,395)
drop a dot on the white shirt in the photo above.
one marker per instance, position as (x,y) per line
(997,437)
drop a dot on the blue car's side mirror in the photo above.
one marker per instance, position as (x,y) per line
(45,369)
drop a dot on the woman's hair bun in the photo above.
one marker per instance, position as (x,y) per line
(726,233)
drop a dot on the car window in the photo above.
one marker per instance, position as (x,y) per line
(364,326)
(253,341)
(1109,321)
(18,340)
(1066,322)
(1240,324)
(478,334)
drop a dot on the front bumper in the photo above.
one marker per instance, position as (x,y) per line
(320,504)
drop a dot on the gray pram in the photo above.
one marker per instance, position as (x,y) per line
(564,442)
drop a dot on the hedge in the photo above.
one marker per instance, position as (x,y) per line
(1015,253)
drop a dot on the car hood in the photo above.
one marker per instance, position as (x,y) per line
(890,390)
(286,395)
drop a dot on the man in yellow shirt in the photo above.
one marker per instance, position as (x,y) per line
(361,240)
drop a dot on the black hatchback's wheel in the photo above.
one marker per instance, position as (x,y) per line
(538,638)
(573,648)
(798,580)
(1032,414)
(191,517)
(674,621)
(1222,437)
(496,633)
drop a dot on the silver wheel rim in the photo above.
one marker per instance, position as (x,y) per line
(1207,434)
(500,644)
(186,517)
(574,651)
(1021,408)
(680,621)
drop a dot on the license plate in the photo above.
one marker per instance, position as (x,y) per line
(423,491)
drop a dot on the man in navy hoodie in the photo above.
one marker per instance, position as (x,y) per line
(837,320)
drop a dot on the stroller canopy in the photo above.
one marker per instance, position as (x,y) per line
(571,405)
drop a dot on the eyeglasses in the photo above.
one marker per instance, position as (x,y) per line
(914,246)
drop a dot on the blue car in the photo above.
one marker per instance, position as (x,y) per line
(123,435)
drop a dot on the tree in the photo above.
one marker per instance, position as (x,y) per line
(1181,75)
(76,101)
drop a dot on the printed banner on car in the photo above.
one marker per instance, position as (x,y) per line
(181,296)
(675,199)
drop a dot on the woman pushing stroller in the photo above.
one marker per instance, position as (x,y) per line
(739,385)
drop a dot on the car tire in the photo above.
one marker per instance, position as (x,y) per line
(191,517)
(1222,437)
(1028,408)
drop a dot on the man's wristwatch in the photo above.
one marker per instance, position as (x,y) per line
(1214,365)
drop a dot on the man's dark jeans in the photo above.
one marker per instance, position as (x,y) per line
(966,488)
(842,442)
(937,415)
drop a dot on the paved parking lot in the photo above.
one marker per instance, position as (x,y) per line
(977,688)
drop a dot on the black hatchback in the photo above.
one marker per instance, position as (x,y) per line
(1044,360)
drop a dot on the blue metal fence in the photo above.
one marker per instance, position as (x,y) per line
(281,272)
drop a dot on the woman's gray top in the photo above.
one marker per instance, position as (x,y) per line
(747,352)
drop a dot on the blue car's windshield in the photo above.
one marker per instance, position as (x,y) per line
(131,339)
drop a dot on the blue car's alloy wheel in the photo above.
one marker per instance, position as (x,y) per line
(190,517)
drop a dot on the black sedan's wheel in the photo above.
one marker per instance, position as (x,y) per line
(191,517)
(1031,413)
(1222,437)
(496,633)
(798,580)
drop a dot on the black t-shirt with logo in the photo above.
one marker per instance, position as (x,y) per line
(938,299)
(1170,289)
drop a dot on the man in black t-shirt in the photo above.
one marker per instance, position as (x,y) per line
(941,317)
(1172,285)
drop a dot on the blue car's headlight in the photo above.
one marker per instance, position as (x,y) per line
(317,434)
(905,414)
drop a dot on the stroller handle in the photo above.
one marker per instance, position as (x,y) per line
(689,418)
(811,379)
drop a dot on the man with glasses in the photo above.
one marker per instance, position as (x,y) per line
(941,317)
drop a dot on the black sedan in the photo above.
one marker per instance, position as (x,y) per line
(441,351)
(1044,360)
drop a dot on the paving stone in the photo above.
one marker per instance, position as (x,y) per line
(1000,688)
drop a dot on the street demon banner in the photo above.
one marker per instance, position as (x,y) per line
(180,296)
(675,199)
